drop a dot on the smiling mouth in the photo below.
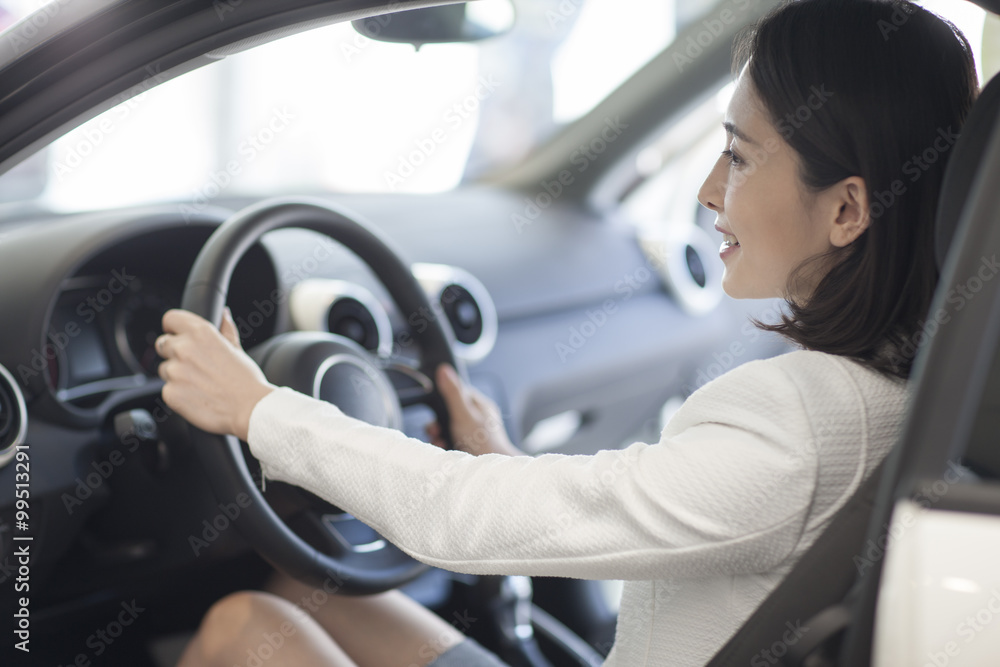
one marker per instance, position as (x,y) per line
(729,240)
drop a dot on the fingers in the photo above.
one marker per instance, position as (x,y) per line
(162,345)
(451,387)
(178,321)
(228,328)
(163,371)
(434,435)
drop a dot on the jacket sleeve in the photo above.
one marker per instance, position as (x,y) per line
(726,490)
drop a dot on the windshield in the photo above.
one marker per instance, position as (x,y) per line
(333,110)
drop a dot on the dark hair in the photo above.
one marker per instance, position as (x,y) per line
(887,80)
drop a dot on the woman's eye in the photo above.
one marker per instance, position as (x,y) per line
(732,157)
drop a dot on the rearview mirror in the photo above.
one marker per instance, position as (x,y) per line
(466,22)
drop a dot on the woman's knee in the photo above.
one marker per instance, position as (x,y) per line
(247,623)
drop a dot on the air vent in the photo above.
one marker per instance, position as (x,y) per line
(13,416)
(463,313)
(343,308)
(687,260)
(352,319)
(466,305)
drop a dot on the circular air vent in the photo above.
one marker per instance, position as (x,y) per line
(466,305)
(687,260)
(463,313)
(13,416)
(343,308)
(352,319)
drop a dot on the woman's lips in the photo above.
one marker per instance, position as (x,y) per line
(729,242)
(729,245)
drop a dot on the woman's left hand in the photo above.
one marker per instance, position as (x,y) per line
(210,380)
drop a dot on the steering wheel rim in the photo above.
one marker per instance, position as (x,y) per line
(222,456)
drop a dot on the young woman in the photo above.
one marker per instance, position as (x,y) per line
(825,197)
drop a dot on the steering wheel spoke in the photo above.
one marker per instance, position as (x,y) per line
(351,534)
(412,385)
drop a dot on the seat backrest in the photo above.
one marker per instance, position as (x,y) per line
(962,167)
(824,586)
(960,231)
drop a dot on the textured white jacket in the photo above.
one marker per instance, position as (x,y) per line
(701,525)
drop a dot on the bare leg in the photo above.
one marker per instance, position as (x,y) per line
(384,630)
(254,628)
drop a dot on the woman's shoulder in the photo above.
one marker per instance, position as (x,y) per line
(810,368)
(798,386)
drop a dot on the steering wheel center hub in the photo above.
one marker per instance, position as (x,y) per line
(334,369)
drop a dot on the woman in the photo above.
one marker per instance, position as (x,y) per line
(834,105)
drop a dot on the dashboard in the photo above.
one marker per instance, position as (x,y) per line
(107,314)
(101,284)
(83,389)
(83,299)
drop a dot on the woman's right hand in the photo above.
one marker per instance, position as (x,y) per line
(476,422)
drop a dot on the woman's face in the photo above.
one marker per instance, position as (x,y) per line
(754,188)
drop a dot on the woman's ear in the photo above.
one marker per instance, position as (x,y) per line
(852,214)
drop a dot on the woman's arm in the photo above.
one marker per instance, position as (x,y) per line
(728,494)
(720,498)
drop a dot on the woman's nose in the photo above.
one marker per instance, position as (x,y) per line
(713,190)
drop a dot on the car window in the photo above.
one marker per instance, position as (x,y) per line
(331,109)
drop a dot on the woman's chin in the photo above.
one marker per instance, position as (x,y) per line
(731,287)
(738,289)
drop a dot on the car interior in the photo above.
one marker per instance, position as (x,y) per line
(575,281)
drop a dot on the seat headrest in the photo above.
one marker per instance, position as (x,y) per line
(963,164)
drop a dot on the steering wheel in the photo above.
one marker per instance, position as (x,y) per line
(329,367)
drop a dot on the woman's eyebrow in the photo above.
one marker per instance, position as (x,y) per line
(733,130)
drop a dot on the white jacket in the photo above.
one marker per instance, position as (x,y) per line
(701,525)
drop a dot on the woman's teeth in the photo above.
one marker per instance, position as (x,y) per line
(729,239)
